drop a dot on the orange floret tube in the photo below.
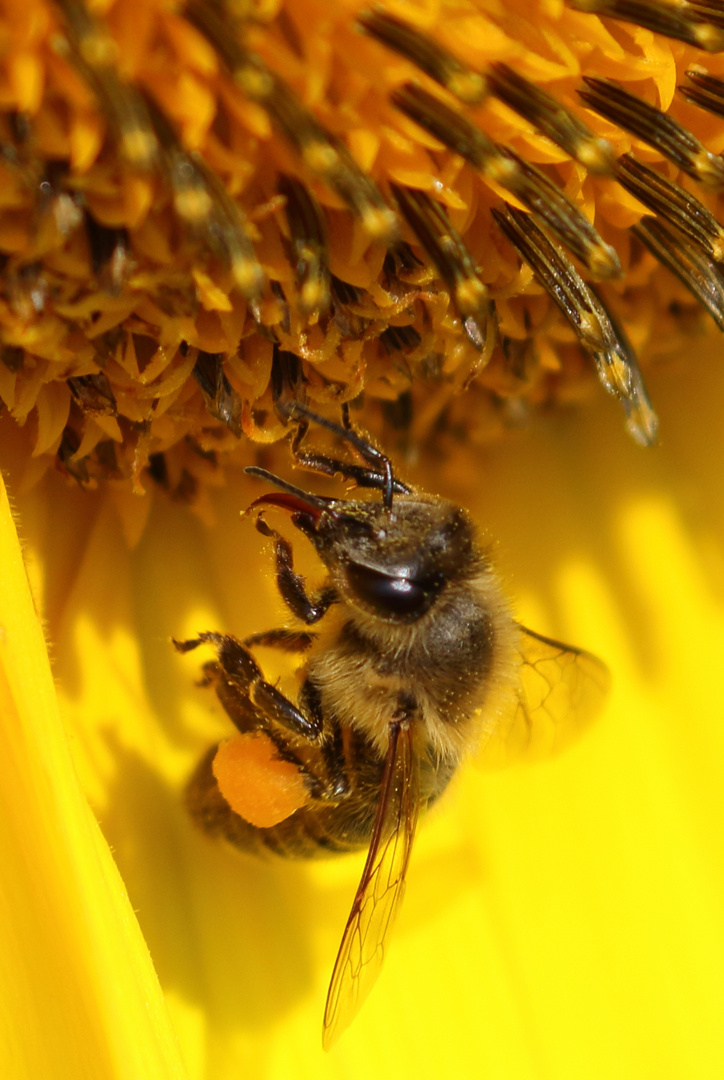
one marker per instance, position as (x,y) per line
(255,783)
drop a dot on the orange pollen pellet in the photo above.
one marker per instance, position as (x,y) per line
(255,783)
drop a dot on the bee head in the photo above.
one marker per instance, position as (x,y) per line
(395,563)
(392,562)
(392,559)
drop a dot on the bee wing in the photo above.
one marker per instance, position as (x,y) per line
(381,887)
(560,690)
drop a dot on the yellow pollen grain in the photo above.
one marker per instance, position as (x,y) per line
(590,330)
(313,295)
(26,75)
(211,296)
(379,223)
(604,262)
(139,147)
(619,374)
(193,205)
(709,169)
(596,155)
(98,50)
(501,170)
(248,276)
(257,84)
(321,157)
(470,294)
(709,37)
(468,87)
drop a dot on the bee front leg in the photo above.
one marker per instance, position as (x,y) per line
(309,609)
(360,474)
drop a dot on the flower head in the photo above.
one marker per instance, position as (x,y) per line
(207,207)
(453,214)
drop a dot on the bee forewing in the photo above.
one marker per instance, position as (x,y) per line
(560,691)
(381,887)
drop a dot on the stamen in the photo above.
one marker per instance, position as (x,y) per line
(404,339)
(429,56)
(709,12)
(222,400)
(699,24)
(93,53)
(707,92)
(599,335)
(206,208)
(654,127)
(310,248)
(551,118)
(454,263)
(673,203)
(94,394)
(450,127)
(688,262)
(110,255)
(321,151)
(527,183)
(75,467)
(94,264)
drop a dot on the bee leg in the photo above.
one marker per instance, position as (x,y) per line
(380,476)
(234,659)
(335,761)
(209,673)
(326,788)
(381,464)
(362,476)
(287,640)
(237,705)
(278,708)
(309,609)
(240,679)
(334,785)
(317,786)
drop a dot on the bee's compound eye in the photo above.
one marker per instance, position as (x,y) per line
(390,594)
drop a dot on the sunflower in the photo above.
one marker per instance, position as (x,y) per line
(460,219)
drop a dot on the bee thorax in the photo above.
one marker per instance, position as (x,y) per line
(440,670)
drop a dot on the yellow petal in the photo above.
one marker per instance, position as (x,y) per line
(561,919)
(79,993)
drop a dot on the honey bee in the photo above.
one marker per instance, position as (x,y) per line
(417,659)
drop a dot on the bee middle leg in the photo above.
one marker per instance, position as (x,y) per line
(293,641)
(251,704)
(240,676)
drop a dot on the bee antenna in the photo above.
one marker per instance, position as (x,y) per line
(316,501)
(370,453)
